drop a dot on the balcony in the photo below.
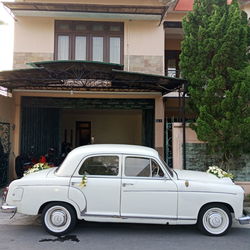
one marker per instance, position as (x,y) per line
(171,72)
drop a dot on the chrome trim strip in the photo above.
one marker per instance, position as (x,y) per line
(175,191)
(146,178)
(161,191)
(138,217)
(102,215)
(45,185)
(123,178)
(100,176)
(159,218)
(206,192)
(187,219)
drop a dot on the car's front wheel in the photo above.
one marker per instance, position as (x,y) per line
(58,218)
(214,220)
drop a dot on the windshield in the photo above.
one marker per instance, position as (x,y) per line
(170,171)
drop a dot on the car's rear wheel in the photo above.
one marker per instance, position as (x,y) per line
(58,218)
(214,220)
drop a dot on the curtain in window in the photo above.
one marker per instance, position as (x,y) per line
(80,48)
(98,49)
(115,50)
(63,47)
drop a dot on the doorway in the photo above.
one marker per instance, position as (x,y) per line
(83,133)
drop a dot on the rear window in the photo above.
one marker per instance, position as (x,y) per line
(100,165)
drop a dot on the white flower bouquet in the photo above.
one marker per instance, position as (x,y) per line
(220,173)
(37,167)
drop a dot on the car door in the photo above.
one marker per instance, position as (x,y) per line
(103,183)
(147,191)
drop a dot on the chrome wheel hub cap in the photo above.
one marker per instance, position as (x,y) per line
(58,218)
(215,220)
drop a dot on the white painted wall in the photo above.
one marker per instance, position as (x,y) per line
(107,126)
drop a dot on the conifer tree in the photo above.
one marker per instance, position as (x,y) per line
(214,60)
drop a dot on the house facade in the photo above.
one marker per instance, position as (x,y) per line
(142,35)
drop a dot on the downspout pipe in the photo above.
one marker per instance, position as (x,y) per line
(184,126)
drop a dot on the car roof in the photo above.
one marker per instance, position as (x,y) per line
(77,154)
(116,149)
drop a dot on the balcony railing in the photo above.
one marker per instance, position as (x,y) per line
(173,73)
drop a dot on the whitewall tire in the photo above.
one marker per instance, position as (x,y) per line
(58,218)
(214,220)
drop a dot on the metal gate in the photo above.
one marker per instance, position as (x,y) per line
(40,130)
(4,152)
(169,144)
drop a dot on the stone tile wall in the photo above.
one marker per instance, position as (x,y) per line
(144,64)
(197,158)
(21,58)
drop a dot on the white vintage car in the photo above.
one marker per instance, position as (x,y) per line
(125,183)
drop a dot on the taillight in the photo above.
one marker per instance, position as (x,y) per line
(5,192)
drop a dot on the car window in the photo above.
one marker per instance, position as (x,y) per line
(156,169)
(135,166)
(142,167)
(100,165)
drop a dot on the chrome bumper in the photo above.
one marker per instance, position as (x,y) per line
(8,209)
(244,220)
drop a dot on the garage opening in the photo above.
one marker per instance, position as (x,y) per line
(54,122)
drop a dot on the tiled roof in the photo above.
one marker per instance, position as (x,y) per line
(184,5)
(187,5)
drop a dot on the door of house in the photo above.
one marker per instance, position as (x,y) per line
(83,133)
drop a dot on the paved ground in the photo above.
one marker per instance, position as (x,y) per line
(24,232)
(105,236)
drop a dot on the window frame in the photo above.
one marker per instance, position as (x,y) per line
(76,173)
(72,32)
(172,55)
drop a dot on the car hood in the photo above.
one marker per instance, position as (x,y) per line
(200,176)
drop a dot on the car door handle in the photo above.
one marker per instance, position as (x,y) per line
(127,184)
(73,183)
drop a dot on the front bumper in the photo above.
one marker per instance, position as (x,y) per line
(8,209)
(244,220)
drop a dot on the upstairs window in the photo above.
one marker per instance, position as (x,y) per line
(92,41)
(172,63)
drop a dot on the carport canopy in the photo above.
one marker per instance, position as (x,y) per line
(84,76)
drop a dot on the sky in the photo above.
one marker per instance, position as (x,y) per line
(6,38)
